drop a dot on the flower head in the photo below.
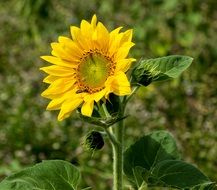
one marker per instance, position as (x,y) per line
(87,68)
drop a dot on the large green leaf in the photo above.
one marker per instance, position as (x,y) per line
(48,175)
(154,160)
(159,69)
(177,173)
(148,151)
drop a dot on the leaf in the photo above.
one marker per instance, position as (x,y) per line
(148,151)
(48,175)
(87,188)
(205,186)
(178,174)
(163,68)
(155,160)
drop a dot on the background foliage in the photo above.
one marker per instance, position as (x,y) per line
(185,106)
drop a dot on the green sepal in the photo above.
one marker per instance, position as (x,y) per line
(102,122)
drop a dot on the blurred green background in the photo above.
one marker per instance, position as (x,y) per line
(187,107)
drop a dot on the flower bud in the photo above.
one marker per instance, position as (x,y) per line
(94,141)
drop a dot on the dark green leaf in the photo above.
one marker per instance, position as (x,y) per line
(148,151)
(159,69)
(154,159)
(177,173)
(48,175)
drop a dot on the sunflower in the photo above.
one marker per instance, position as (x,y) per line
(87,68)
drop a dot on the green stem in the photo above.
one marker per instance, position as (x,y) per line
(111,137)
(117,141)
(118,157)
(118,150)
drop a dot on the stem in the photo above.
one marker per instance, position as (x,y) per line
(118,150)
(111,137)
(117,141)
(118,157)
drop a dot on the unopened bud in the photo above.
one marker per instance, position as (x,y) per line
(94,141)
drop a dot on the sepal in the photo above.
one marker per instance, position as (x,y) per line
(159,69)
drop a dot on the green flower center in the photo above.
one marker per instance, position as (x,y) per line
(93,71)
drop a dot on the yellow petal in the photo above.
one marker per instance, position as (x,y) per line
(124,64)
(58,61)
(50,78)
(99,95)
(75,31)
(66,115)
(86,28)
(95,96)
(55,104)
(58,71)
(119,84)
(94,21)
(58,87)
(61,52)
(114,43)
(123,50)
(127,36)
(68,106)
(114,33)
(76,51)
(87,108)
(83,41)
(52,96)
(87,97)
(54,53)
(102,37)
(94,36)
